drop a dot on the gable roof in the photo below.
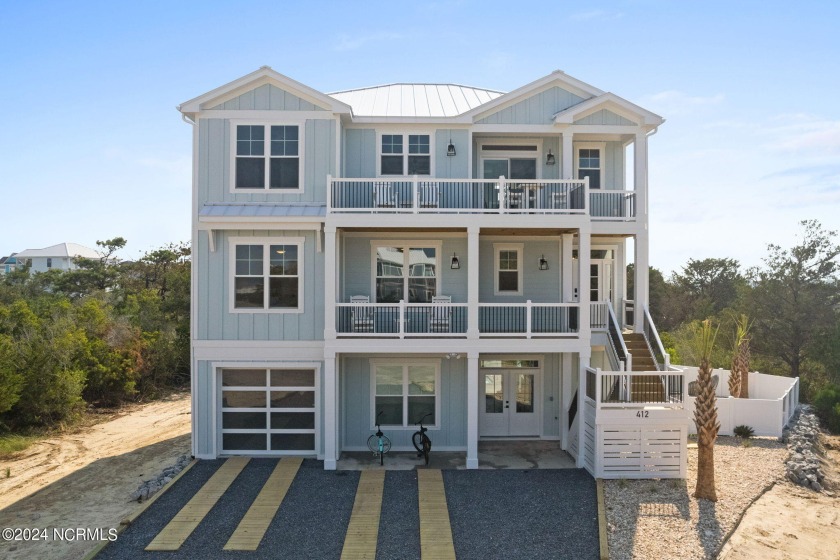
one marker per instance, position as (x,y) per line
(611,102)
(415,100)
(264,75)
(62,250)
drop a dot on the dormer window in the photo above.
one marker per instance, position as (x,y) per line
(267,157)
(405,154)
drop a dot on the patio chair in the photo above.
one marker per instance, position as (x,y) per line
(429,195)
(362,315)
(440,316)
(384,196)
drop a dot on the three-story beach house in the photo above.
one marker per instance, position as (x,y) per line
(426,249)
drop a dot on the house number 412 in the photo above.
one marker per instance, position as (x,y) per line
(642,414)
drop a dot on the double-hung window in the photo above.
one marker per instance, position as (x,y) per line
(590,163)
(266,276)
(406,392)
(267,157)
(405,154)
(406,272)
(508,268)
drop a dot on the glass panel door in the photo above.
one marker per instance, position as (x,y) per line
(495,168)
(523,168)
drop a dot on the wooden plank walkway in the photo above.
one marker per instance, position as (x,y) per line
(435,530)
(185,521)
(252,528)
(363,529)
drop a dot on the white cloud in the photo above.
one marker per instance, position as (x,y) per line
(353,42)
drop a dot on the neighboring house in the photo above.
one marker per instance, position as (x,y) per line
(8,264)
(426,249)
(55,257)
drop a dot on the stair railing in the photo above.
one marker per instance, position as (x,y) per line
(660,356)
(617,341)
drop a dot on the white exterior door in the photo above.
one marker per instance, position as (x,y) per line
(510,403)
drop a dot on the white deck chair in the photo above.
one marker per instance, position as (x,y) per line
(362,315)
(440,316)
(384,196)
(429,196)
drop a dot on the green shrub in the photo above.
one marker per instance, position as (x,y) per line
(827,405)
(744,431)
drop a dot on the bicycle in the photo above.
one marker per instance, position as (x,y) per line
(379,443)
(421,441)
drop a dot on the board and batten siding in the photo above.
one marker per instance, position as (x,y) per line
(540,286)
(355,407)
(359,153)
(267,97)
(204,401)
(551,395)
(605,117)
(216,156)
(451,167)
(357,268)
(216,322)
(539,108)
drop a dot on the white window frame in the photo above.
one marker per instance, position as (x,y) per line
(408,423)
(501,154)
(602,146)
(267,124)
(520,252)
(405,245)
(266,243)
(217,410)
(405,134)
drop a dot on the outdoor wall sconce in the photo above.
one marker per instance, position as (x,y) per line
(455,355)
(450,149)
(549,159)
(543,263)
(456,264)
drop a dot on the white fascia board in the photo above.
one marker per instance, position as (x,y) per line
(557,78)
(611,102)
(264,75)
(460,119)
(440,346)
(460,221)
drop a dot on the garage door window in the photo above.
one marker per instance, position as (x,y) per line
(268,410)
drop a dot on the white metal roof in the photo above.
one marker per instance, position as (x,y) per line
(415,100)
(61,250)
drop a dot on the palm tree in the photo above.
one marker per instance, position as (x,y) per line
(705,414)
(738,381)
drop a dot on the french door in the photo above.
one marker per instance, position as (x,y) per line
(510,404)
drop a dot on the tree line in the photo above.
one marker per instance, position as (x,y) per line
(100,334)
(791,303)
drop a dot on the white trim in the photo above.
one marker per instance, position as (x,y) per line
(406,245)
(264,115)
(520,253)
(612,103)
(284,120)
(266,243)
(405,132)
(405,363)
(602,146)
(508,155)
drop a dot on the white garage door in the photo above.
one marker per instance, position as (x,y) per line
(268,411)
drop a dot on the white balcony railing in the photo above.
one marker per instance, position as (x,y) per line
(612,205)
(407,320)
(636,389)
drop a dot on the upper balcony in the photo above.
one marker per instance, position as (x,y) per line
(478,196)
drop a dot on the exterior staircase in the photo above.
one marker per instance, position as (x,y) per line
(644,388)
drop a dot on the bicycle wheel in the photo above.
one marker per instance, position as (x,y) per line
(384,447)
(373,444)
(417,440)
(427,446)
(386,444)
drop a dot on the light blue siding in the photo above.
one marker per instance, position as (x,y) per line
(205,430)
(614,166)
(551,398)
(357,268)
(540,286)
(551,171)
(216,156)
(355,376)
(605,117)
(216,322)
(359,152)
(537,109)
(267,97)
(548,143)
(451,167)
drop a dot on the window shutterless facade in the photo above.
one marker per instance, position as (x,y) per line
(405,154)
(265,275)
(405,392)
(590,163)
(507,263)
(405,271)
(267,157)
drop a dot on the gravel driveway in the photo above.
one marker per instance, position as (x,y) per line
(529,514)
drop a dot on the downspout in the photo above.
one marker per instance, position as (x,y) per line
(193,282)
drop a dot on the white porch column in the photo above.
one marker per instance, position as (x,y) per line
(330,281)
(640,176)
(472,282)
(585,355)
(640,280)
(566,374)
(567,294)
(472,410)
(568,155)
(584,254)
(330,412)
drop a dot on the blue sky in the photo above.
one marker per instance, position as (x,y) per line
(93,147)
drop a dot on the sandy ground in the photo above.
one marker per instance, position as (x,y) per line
(792,523)
(85,479)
